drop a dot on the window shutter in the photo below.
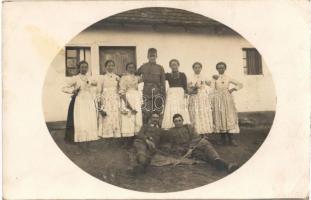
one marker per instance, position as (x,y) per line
(73,56)
(253,61)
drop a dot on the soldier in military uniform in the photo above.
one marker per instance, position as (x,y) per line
(147,141)
(183,140)
(153,76)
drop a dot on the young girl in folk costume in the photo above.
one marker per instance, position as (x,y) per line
(176,96)
(109,124)
(131,114)
(224,111)
(199,103)
(82,116)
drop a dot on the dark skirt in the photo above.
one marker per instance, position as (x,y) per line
(69,132)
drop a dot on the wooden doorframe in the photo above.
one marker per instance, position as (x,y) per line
(116,47)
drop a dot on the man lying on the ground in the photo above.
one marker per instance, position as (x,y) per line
(181,140)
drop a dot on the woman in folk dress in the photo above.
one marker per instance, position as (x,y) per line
(82,116)
(131,114)
(224,111)
(109,125)
(199,103)
(176,102)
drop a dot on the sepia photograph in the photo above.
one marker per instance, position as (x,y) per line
(156,99)
(159,99)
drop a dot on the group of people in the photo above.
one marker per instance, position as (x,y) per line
(121,110)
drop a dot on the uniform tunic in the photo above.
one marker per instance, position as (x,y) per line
(144,154)
(224,110)
(175,99)
(176,141)
(185,137)
(154,88)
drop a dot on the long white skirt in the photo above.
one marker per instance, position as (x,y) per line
(109,126)
(176,103)
(85,118)
(224,112)
(130,123)
(201,112)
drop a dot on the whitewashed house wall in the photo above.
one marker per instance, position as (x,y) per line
(171,42)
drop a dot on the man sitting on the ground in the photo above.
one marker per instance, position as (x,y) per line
(147,141)
(182,140)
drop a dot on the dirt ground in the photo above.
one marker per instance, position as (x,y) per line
(108,160)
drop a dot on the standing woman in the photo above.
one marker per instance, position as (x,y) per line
(224,111)
(131,114)
(109,125)
(82,116)
(175,96)
(199,103)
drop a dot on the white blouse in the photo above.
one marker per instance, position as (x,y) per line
(81,82)
(128,82)
(199,81)
(109,81)
(224,82)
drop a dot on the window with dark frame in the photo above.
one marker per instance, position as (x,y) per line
(252,61)
(121,55)
(73,56)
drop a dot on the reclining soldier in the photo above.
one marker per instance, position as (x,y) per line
(181,140)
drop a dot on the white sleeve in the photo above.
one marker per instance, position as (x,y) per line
(122,86)
(237,84)
(70,85)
